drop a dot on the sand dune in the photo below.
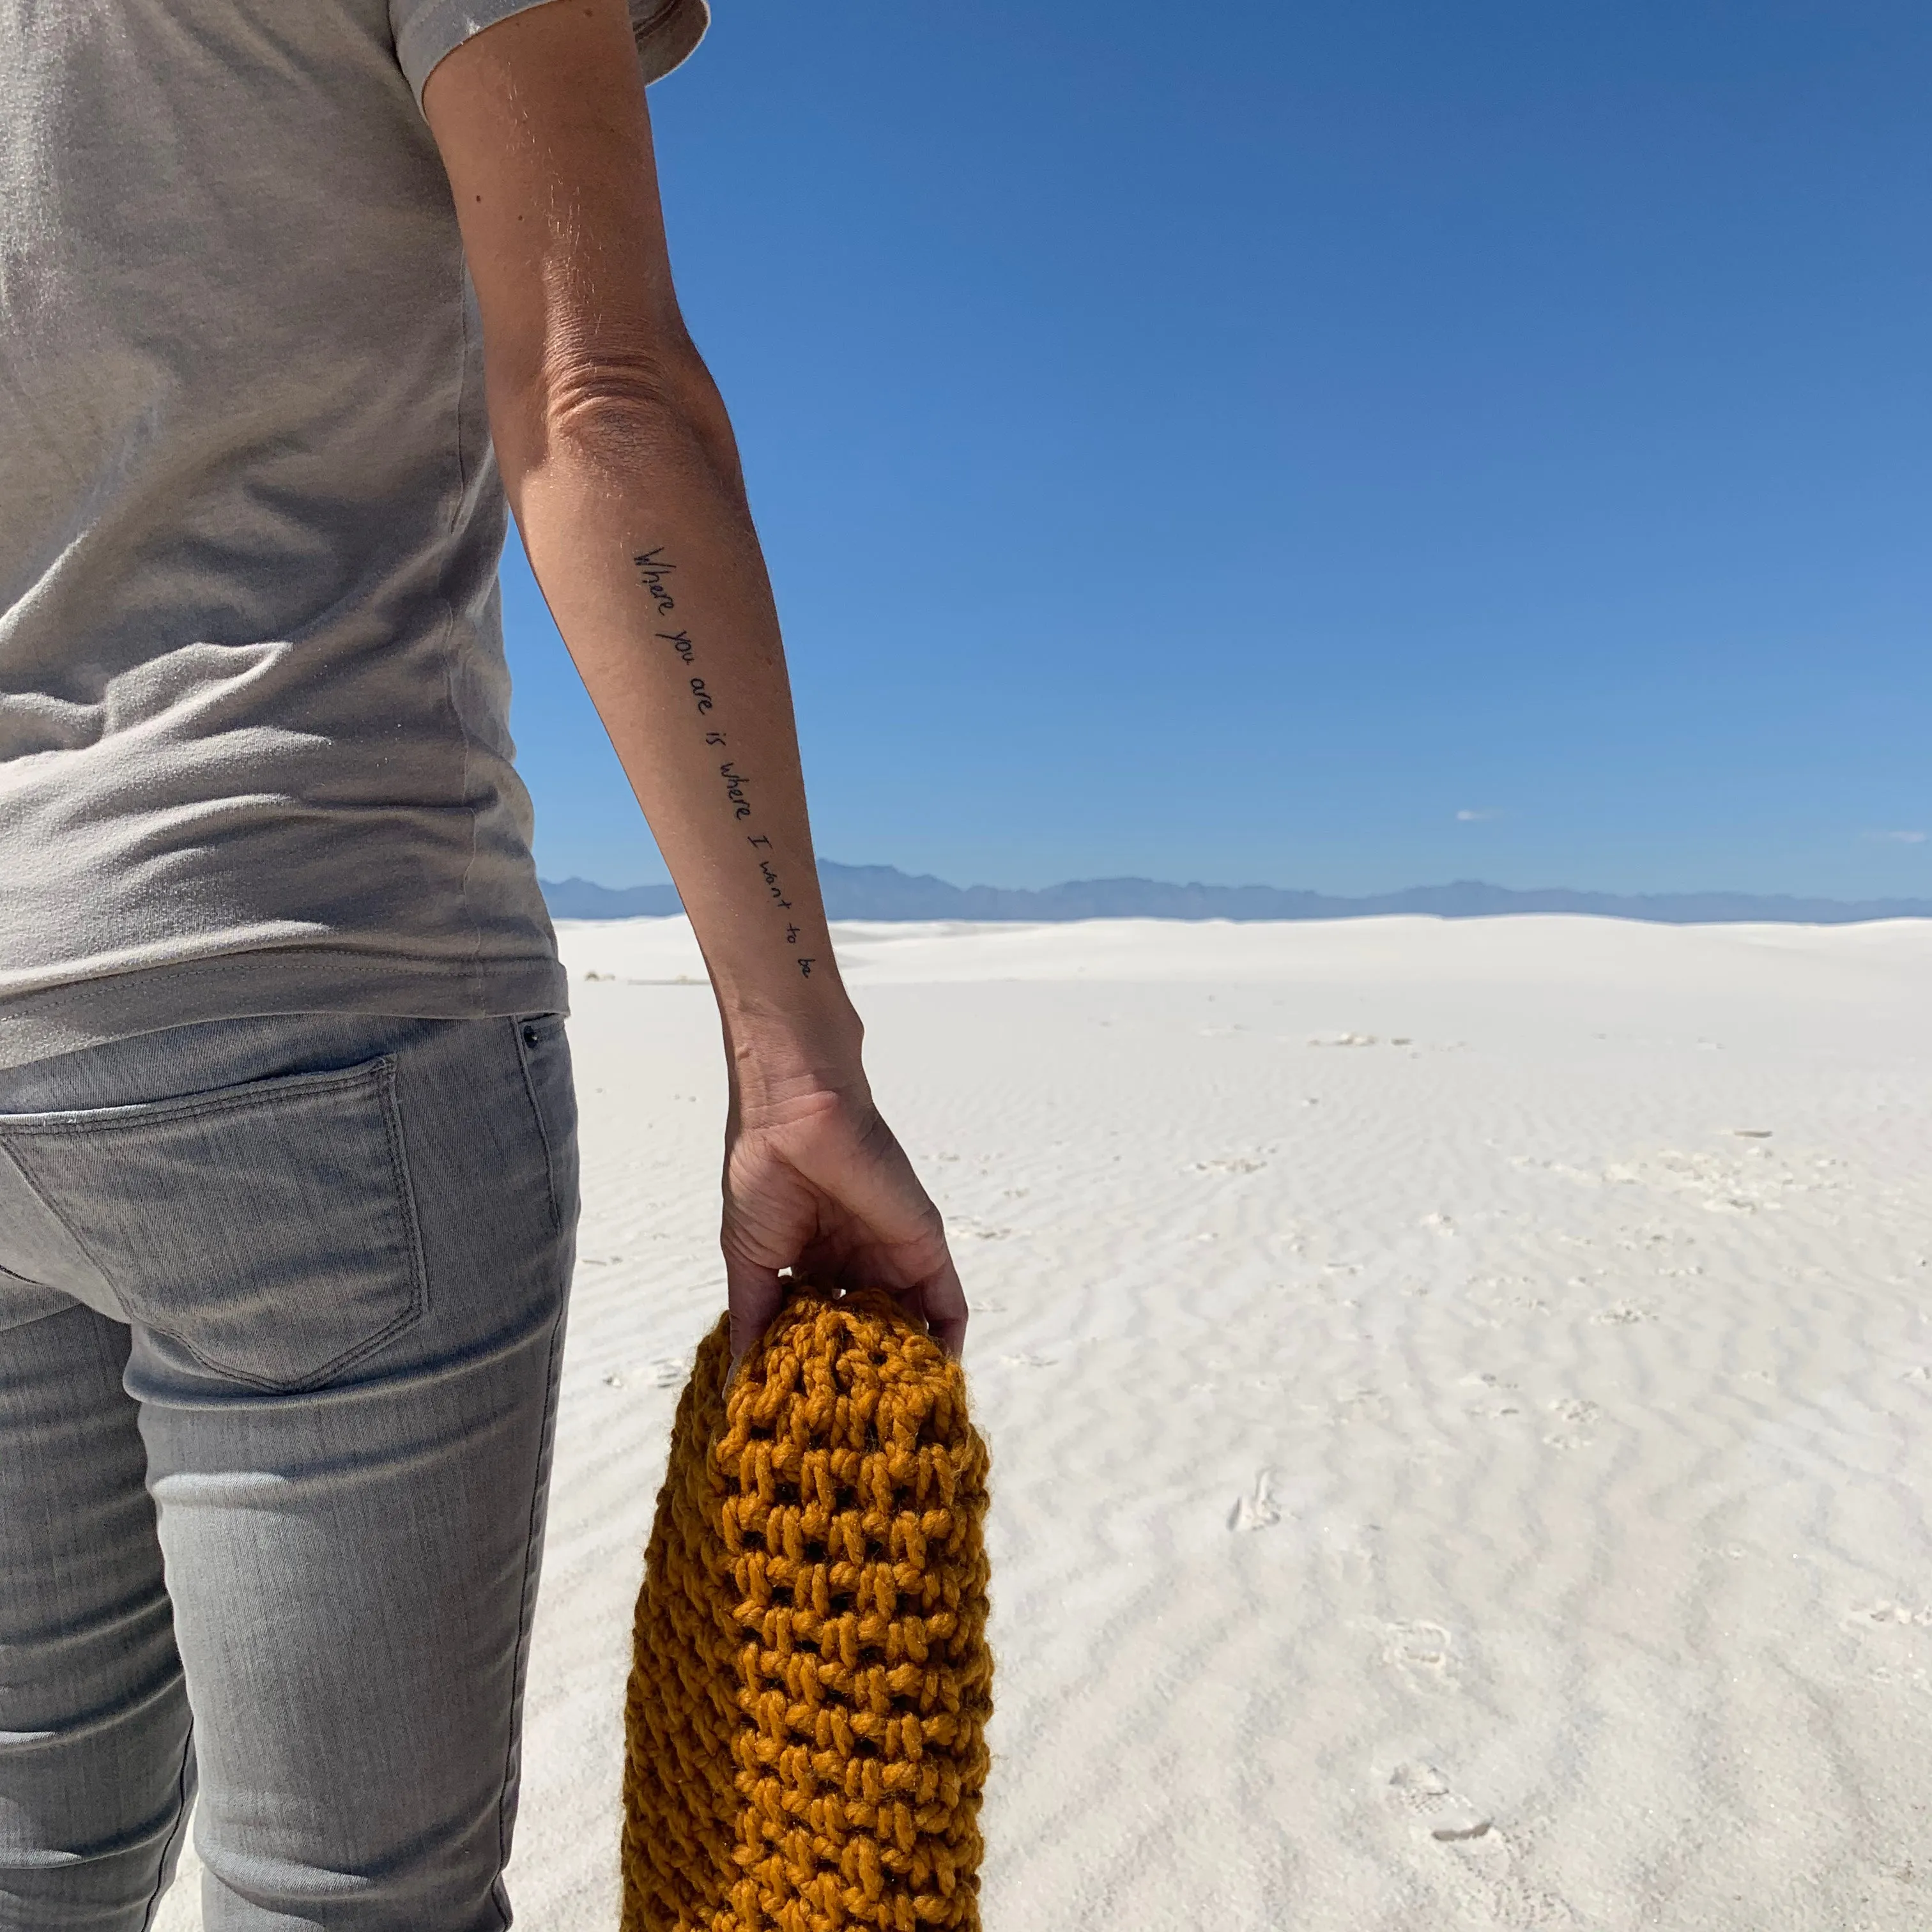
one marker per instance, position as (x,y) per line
(1460,1399)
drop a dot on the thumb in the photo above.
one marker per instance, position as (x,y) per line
(755,1294)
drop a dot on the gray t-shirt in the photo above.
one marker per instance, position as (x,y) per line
(253,749)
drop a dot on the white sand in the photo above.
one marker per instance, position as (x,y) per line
(1458,1394)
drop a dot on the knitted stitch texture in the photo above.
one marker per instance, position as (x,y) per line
(810,1680)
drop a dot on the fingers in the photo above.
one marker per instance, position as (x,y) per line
(755,1294)
(939,1301)
(942,1303)
(836,1196)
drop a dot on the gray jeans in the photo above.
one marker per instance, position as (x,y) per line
(281,1303)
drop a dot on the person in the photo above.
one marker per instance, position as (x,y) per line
(292,299)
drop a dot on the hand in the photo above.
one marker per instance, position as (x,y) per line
(818,1183)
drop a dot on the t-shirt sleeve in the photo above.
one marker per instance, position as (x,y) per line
(666,30)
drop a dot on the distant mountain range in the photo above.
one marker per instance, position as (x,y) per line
(883,891)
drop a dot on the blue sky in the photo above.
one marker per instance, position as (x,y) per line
(1341,446)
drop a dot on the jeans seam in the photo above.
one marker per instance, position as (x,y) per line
(173,1838)
(59,1220)
(538,1485)
(522,1029)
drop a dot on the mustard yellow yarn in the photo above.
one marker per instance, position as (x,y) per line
(810,1681)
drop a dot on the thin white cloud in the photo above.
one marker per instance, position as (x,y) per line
(1474,815)
(1900,838)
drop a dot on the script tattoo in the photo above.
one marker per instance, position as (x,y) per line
(652,569)
(653,574)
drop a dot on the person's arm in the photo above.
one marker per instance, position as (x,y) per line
(618,459)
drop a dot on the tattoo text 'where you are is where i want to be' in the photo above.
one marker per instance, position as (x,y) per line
(654,569)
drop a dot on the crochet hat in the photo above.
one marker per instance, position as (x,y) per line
(810,1681)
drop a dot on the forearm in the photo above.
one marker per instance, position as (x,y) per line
(618,460)
(625,487)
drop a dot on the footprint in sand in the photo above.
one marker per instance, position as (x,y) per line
(1258,1510)
(1498,1403)
(1422,1654)
(1580,1417)
(1421,1792)
(1361,1404)
(1482,1858)
(1885,1613)
(1622,1314)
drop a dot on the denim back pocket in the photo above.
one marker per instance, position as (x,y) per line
(268,1228)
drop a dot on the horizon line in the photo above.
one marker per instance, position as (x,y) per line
(888,876)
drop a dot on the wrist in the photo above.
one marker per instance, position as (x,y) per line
(778,1057)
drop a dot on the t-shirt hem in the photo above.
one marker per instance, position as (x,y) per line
(666,32)
(251,985)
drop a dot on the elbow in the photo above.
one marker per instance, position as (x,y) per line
(632,411)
